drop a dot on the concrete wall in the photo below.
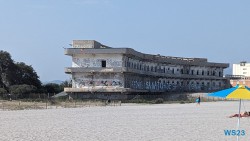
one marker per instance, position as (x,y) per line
(95,60)
(113,96)
(92,60)
(85,80)
(171,84)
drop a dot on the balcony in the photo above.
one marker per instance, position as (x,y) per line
(70,70)
(94,69)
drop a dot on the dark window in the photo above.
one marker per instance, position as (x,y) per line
(103,63)
(181,71)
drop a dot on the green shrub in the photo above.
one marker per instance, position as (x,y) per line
(3,91)
(182,102)
(159,101)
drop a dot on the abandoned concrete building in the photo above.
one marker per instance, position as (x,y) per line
(102,71)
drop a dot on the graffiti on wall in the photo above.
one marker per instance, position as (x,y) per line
(162,86)
(78,83)
(86,80)
(154,85)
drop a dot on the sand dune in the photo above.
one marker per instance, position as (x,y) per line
(164,122)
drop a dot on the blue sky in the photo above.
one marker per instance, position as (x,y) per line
(35,31)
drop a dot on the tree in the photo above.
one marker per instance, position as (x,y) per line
(27,75)
(52,88)
(6,69)
(18,73)
(22,90)
(2,91)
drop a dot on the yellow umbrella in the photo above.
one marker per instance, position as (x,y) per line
(238,92)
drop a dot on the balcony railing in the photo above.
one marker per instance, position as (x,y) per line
(141,72)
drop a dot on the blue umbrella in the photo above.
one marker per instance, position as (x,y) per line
(238,92)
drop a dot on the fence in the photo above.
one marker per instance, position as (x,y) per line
(54,104)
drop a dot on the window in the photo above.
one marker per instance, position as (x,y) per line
(103,63)
(213,73)
(181,71)
(242,63)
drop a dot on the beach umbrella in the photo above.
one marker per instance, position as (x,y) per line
(238,92)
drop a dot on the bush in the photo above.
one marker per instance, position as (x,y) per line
(3,91)
(159,101)
(182,102)
(22,90)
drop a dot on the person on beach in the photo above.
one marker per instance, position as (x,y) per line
(198,100)
(245,114)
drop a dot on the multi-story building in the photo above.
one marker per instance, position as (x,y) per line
(241,74)
(101,71)
(242,69)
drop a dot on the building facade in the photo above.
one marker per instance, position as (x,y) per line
(241,74)
(101,70)
(243,68)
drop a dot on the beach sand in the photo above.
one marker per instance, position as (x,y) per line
(129,122)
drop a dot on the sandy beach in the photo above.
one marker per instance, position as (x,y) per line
(134,122)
